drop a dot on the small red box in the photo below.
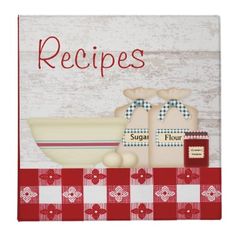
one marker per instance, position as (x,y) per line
(196,149)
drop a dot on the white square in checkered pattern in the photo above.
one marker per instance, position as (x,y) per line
(50,194)
(141,193)
(188,193)
(95,194)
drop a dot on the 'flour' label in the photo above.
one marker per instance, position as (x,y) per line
(135,137)
(170,137)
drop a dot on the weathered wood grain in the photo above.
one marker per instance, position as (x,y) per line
(151,33)
(179,52)
(71,92)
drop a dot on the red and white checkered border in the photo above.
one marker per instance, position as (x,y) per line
(119,194)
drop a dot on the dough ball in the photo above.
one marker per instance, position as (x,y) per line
(129,159)
(112,159)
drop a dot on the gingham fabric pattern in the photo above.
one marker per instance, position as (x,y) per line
(169,131)
(196,135)
(137,103)
(173,103)
(141,130)
(119,194)
(135,144)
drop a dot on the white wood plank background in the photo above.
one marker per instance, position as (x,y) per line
(179,51)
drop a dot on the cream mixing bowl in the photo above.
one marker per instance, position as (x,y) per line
(77,142)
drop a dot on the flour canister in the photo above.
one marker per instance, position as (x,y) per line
(167,124)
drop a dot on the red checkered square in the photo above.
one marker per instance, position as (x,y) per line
(210,176)
(188,210)
(210,193)
(72,194)
(141,176)
(164,176)
(211,211)
(28,212)
(49,177)
(29,195)
(165,211)
(72,211)
(72,177)
(118,194)
(164,193)
(119,211)
(50,212)
(28,177)
(95,177)
(141,211)
(119,176)
(95,211)
(188,176)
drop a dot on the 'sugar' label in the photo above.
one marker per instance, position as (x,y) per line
(135,137)
(196,152)
(170,137)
